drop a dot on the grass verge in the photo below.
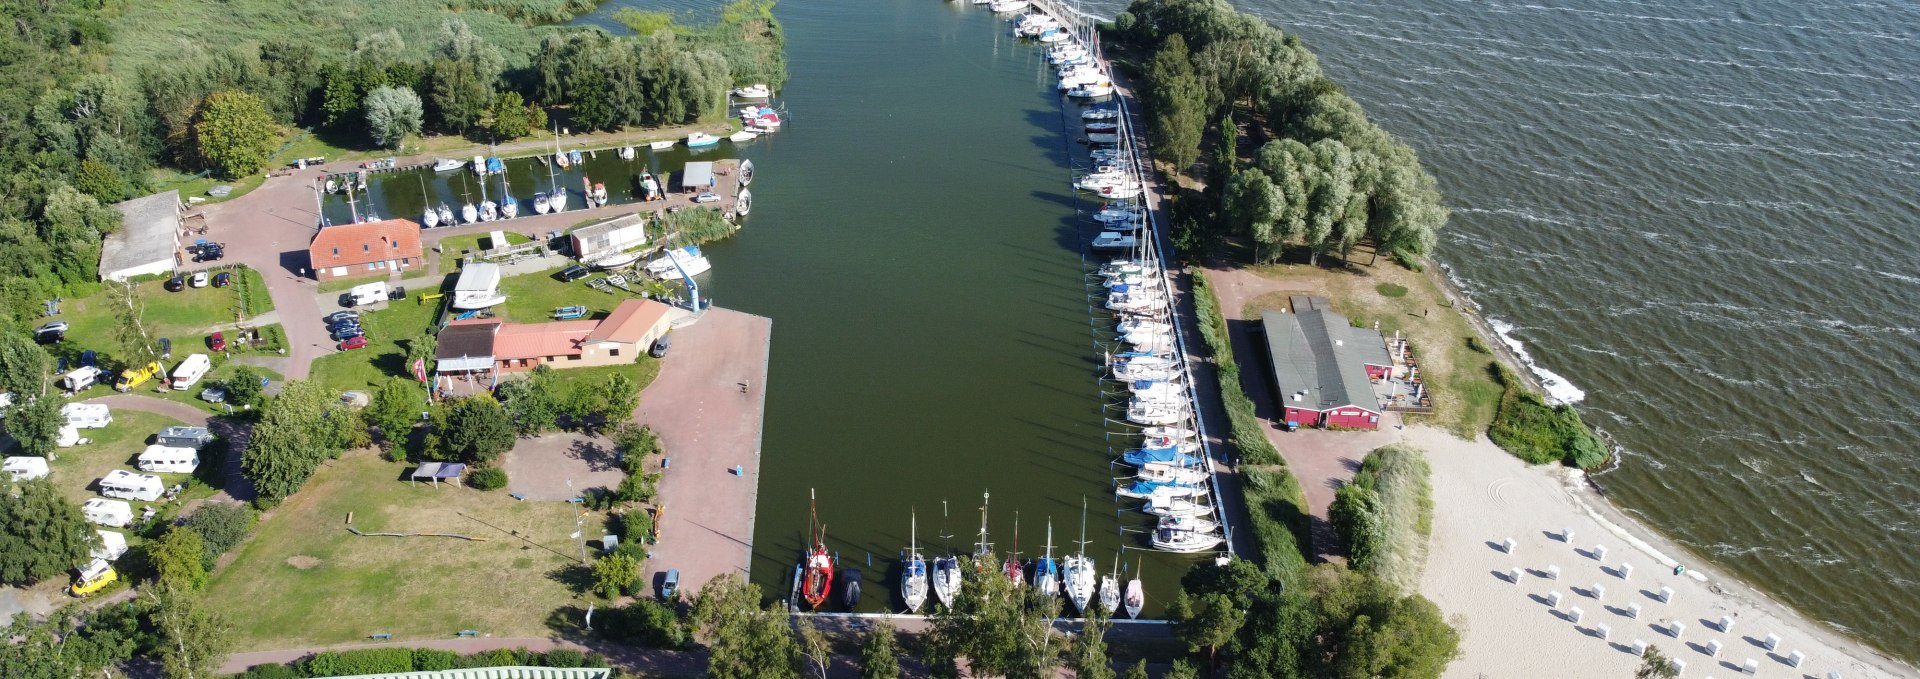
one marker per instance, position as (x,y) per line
(1277,508)
(531,298)
(385,355)
(1400,477)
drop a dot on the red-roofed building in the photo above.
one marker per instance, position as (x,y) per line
(365,249)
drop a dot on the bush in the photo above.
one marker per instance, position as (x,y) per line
(433,660)
(1526,426)
(221,526)
(564,657)
(1277,510)
(487,478)
(1355,514)
(650,623)
(360,661)
(268,672)
(1475,345)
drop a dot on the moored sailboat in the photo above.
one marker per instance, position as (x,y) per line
(816,578)
(913,574)
(1136,597)
(1046,573)
(1077,571)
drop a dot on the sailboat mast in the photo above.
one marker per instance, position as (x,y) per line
(1083,528)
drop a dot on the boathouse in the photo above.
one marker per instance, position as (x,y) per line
(1323,367)
(697,177)
(148,240)
(615,235)
(347,250)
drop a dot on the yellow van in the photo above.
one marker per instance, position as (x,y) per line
(93,578)
(133,377)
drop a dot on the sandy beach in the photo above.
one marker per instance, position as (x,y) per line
(1483,496)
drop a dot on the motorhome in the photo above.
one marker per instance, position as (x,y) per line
(184,437)
(138,375)
(127,485)
(25,468)
(168,460)
(190,371)
(111,513)
(112,546)
(86,415)
(80,378)
(370,293)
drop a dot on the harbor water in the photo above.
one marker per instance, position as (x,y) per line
(1700,216)
(915,243)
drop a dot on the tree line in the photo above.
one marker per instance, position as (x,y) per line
(1327,178)
(76,137)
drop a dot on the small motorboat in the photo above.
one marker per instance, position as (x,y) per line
(742,136)
(1008,5)
(701,140)
(1055,35)
(1100,113)
(1167,433)
(560,160)
(1192,523)
(1113,215)
(1184,541)
(746,172)
(447,165)
(1103,127)
(568,313)
(627,153)
(1127,191)
(616,260)
(754,91)
(687,260)
(469,214)
(480,165)
(574,155)
(429,218)
(1109,240)
(495,166)
(599,196)
(1171,473)
(661,145)
(540,205)
(446,214)
(1093,91)
(1146,456)
(744,203)
(1156,413)
(850,588)
(489,211)
(1103,138)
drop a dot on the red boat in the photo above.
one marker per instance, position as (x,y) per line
(816,579)
(1013,568)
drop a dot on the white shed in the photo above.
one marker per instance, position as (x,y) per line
(112,546)
(127,485)
(168,460)
(147,241)
(86,415)
(106,512)
(25,468)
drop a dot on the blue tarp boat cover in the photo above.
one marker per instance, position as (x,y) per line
(1147,455)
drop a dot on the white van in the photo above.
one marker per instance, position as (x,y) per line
(371,293)
(80,378)
(190,371)
(25,468)
(86,415)
(127,485)
(112,546)
(168,460)
(112,513)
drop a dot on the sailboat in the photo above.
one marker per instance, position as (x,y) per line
(1013,569)
(1046,575)
(446,214)
(429,218)
(946,569)
(982,549)
(469,214)
(557,200)
(913,576)
(626,153)
(816,580)
(1110,589)
(509,206)
(1077,570)
(1136,597)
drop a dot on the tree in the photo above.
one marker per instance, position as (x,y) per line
(1240,579)
(393,114)
(880,655)
(180,559)
(459,94)
(36,425)
(395,407)
(510,117)
(996,626)
(102,181)
(1208,624)
(745,641)
(1253,206)
(193,640)
(24,366)
(41,533)
(614,573)
(814,645)
(297,430)
(1654,664)
(339,97)
(1178,101)
(1411,639)
(1090,659)
(1181,670)
(475,429)
(532,403)
(243,386)
(233,133)
(222,526)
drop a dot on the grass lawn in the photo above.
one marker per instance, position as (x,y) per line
(531,298)
(183,317)
(384,357)
(642,372)
(1465,394)
(304,580)
(113,447)
(218,374)
(450,248)
(194,186)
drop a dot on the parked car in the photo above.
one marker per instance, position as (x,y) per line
(354,342)
(176,283)
(217,342)
(199,279)
(222,279)
(344,333)
(51,332)
(660,347)
(210,252)
(337,316)
(573,273)
(343,323)
(214,394)
(707,197)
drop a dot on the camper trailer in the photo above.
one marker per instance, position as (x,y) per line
(110,513)
(190,371)
(370,293)
(112,546)
(86,415)
(93,577)
(127,485)
(158,459)
(138,375)
(25,468)
(184,437)
(80,379)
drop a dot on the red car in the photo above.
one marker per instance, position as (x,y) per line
(217,342)
(354,342)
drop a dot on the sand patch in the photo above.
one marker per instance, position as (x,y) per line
(302,561)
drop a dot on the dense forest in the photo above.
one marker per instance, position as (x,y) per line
(82,126)
(1323,176)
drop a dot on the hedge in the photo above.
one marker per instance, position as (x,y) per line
(392,660)
(1247,433)
(1277,511)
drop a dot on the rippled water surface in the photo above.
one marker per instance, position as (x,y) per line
(1704,215)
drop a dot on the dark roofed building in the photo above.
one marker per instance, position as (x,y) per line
(1323,367)
(465,347)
